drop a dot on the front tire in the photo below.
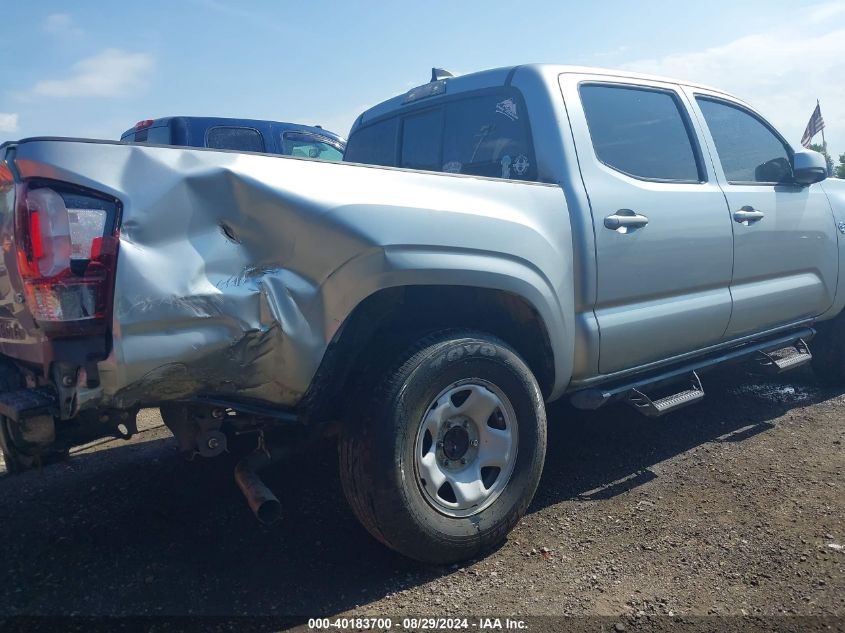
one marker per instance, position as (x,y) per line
(447,454)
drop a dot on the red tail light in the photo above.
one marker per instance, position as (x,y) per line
(67,256)
(35,235)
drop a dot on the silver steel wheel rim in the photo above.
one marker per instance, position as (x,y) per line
(466,447)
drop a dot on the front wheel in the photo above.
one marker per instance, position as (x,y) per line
(447,455)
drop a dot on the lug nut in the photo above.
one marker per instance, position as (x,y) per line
(463,461)
(445,462)
(213,443)
(473,443)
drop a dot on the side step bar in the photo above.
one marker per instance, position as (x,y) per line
(595,397)
(655,408)
(784,359)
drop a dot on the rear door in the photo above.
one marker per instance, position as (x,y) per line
(786,258)
(663,234)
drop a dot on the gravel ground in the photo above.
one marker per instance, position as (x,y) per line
(734,506)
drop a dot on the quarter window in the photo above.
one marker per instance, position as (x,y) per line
(748,149)
(640,132)
(242,139)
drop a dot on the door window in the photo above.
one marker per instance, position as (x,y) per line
(309,146)
(641,132)
(750,152)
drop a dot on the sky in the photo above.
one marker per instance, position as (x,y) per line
(92,69)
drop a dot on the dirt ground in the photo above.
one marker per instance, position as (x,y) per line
(734,506)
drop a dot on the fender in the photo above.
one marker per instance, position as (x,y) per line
(396,266)
(835,190)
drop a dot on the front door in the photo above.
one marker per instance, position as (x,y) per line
(786,258)
(663,234)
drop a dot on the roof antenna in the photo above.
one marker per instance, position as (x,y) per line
(438,73)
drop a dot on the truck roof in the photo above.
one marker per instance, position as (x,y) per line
(501,76)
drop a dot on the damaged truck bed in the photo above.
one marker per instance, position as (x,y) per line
(236,271)
(490,243)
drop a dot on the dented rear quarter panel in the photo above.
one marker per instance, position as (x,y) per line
(235,271)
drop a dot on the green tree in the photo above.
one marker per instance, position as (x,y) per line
(821,150)
(839,172)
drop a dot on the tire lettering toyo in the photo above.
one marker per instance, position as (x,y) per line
(467,349)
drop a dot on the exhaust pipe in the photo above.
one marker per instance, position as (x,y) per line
(260,498)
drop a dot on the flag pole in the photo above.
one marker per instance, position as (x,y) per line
(824,142)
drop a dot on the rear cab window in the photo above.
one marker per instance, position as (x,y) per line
(374,144)
(159,135)
(421,140)
(242,139)
(641,132)
(476,133)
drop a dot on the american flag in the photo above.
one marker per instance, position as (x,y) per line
(814,126)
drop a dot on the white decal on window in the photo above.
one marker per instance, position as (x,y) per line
(521,165)
(506,166)
(453,167)
(508,108)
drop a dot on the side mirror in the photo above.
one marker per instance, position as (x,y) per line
(808,167)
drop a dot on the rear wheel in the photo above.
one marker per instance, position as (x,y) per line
(447,454)
(17,458)
(16,462)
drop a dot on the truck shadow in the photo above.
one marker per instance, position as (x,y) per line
(135,530)
(600,454)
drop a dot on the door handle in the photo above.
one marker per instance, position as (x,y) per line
(747,215)
(625,219)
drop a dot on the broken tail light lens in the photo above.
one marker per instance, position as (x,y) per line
(67,250)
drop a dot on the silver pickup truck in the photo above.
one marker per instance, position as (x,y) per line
(491,242)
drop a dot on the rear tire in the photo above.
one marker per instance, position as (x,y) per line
(15,462)
(447,453)
(16,459)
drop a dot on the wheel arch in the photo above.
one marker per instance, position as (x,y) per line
(397,312)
